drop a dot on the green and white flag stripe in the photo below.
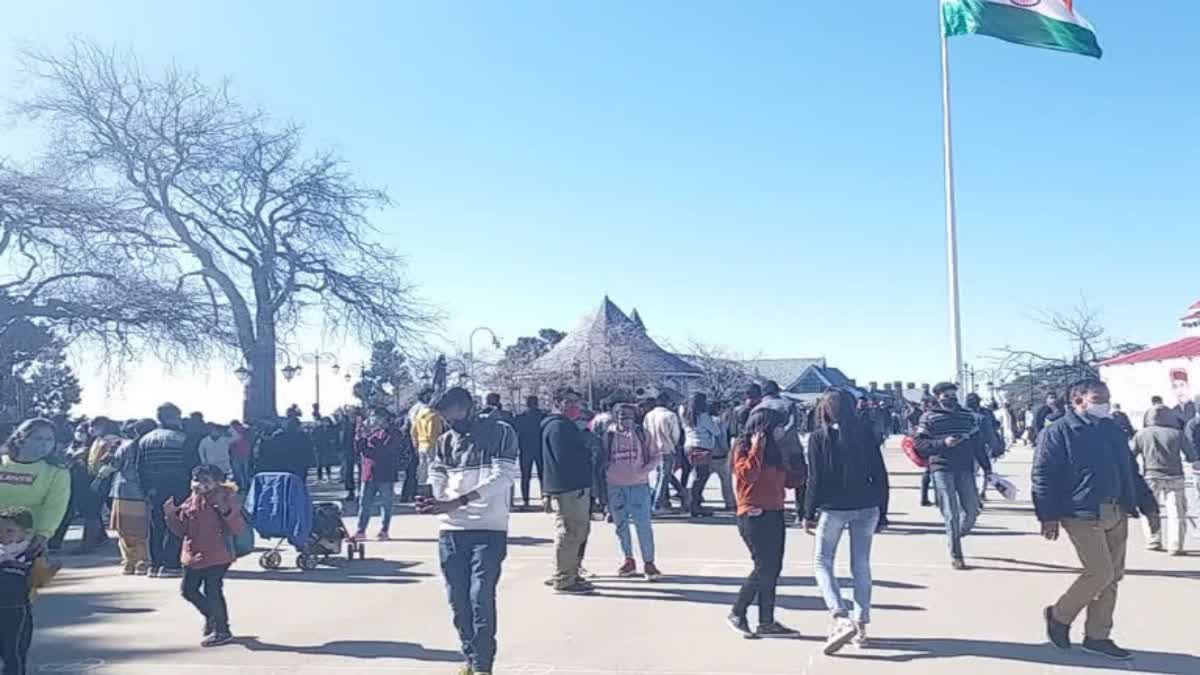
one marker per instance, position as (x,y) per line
(1051,24)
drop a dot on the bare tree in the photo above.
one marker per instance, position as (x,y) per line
(76,260)
(1031,374)
(724,373)
(265,231)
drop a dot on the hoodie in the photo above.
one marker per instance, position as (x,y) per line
(479,457)
(207,523)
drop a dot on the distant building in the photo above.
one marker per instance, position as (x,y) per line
(1165,370)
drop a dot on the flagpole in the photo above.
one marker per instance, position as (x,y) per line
(951,225)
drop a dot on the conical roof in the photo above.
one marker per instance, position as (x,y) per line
(612,343)
(637,319)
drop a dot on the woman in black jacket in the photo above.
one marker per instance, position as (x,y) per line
(847,484)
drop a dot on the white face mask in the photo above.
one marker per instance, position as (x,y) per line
(1099,410)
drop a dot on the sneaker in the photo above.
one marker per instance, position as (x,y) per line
(141,569)
(775,629)
(926,502)
(1058,633)
(359,536)
(1157,548)
(577,588)
(1106,648)
(383,536)
(652,572)
(841,631)
(629,569)
(860,636)
(741,626)
(958,564)
(217,639)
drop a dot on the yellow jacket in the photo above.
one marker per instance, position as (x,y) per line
(426,428)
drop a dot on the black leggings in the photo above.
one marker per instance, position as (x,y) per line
(210,601)
(764,536)
(529,461)
(16,632)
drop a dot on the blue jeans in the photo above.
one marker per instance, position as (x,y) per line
(471,565)
(862,523)
(664,479)
(372,490)
(633,503)
(959,502)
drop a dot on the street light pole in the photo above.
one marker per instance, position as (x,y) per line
(471,354)
(315,359)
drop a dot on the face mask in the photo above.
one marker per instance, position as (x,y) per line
(1099,410)
(10,551)
(35,449)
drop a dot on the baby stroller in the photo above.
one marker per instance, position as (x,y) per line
(280,508)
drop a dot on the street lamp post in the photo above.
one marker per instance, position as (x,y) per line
(471,354)
(315,359)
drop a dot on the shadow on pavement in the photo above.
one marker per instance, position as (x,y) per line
(513,541)
(783,599)
(340,571)
(359,649)
(59,645)
(945,648)
(783,581)
(1040,567)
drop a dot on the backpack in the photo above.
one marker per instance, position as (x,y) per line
(910,451)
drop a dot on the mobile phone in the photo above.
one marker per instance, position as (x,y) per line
(425,491)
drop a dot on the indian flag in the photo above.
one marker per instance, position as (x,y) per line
(1052,24)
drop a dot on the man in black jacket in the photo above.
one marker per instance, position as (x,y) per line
(1085,483)
(567,478)
(288,450)
(529,440)
(949,437)
(164,464)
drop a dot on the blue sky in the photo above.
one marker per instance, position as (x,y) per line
(765,176)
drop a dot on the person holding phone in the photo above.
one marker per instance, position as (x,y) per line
(762,475)
(472,468)
(948,436)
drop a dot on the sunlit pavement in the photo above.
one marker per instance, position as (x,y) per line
(388,614)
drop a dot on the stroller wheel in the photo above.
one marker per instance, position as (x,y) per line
(362,552)
(306,562)
(350,550)
(270,560)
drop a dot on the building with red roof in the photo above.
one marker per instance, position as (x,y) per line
(1167,370)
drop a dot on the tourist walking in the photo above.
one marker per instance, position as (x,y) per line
(1162,447)
(627,462)
(719,466)
(130,518)
(948,436)
(426,427)
(215,448)
(567,461)
(164,467)
(471,472)
(664,431)
(789,440)
(34,476)
(529,438)
(762,476)
(1083,482)
(205,522)
(847,485)
(385,450)
(700,434)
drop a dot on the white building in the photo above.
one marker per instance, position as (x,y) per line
(1166,370)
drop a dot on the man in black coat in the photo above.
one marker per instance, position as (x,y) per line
(567,478)
(529,439)
(289,450)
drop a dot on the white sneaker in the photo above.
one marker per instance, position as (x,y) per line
(841,632)
(860,640)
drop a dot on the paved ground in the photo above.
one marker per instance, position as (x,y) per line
(388,615)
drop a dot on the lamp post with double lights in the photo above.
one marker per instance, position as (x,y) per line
(290,372)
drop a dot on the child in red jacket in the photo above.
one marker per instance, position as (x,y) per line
(207,522)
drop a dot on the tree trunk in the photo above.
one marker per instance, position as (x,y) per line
(260,393)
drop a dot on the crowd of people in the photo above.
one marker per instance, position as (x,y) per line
(170,487)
